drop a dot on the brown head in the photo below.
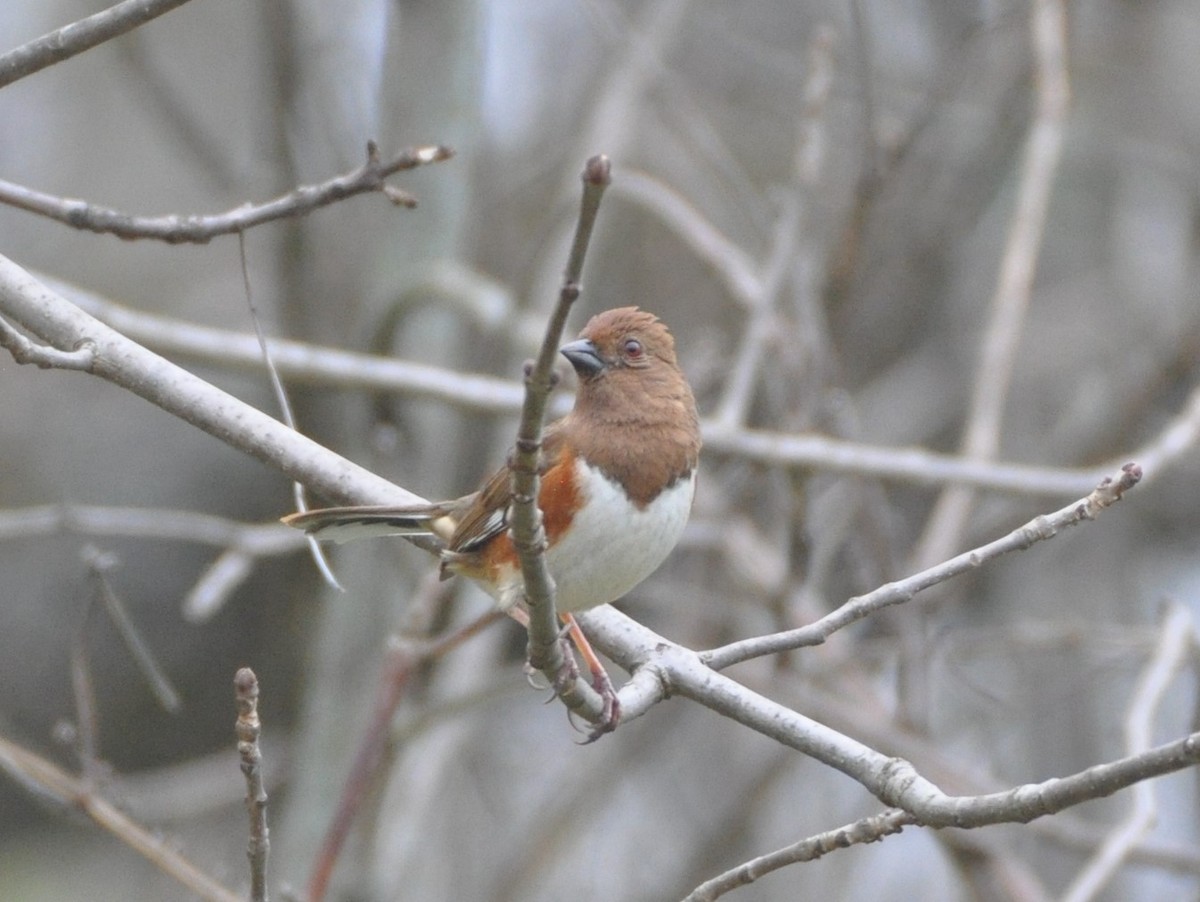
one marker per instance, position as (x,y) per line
(634,415)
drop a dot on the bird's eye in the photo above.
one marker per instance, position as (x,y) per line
(633,348)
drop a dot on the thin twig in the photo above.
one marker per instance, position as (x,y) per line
(83,695)
(32,770)
(248,729)
(99,566)
(194,229)
(285,411)
(1042,527)
(866,830)
(1170,656)
(77,37)
(529,538)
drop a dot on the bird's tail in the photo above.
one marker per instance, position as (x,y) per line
(345,524)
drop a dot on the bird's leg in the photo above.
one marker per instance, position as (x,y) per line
(611,713)
(565,675)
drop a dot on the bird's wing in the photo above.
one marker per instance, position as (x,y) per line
(487,515)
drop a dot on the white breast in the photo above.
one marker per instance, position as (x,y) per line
(611,545)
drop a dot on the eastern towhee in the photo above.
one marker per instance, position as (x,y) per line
(618,474)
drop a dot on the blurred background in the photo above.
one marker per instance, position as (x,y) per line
(817,198)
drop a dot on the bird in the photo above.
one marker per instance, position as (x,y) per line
(618,478)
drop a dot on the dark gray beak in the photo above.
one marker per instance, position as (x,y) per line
(583,356)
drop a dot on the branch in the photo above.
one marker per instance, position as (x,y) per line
(298,361)
(242,544)
(79,36)
(529,538)
(25,351)
(1039,528)
(127,364)
(780,261)
(866,830)
(1170,655)
(1039,164)
(175,229)
(662,668)
(49,781)
(99,565)
(248,729)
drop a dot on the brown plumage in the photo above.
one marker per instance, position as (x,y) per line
(631,445)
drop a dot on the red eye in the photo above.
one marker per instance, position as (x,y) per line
(633,348)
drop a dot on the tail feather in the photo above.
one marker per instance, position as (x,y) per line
(346,524)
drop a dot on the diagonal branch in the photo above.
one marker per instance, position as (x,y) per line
(73,39)
(59,323)
(1039,528)
(662,668)
(51,781)
(866,830)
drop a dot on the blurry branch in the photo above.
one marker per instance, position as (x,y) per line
(85,734)
(80,36)
(242,544)
(59,323)
(612,112)
(49,781)
(662,668)
(736,268)
(867,830)
(248,729)
(1170,656)
(761,325)
(1042,527)
(175,116)
(849,710)
(659,667)
(86,729)
(1177,438)
(237,568)
(1043,149)
(405,657)
(100,565)
(297,361)
(193,229)
(528,534)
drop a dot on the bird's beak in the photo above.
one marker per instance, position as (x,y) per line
(583,356)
